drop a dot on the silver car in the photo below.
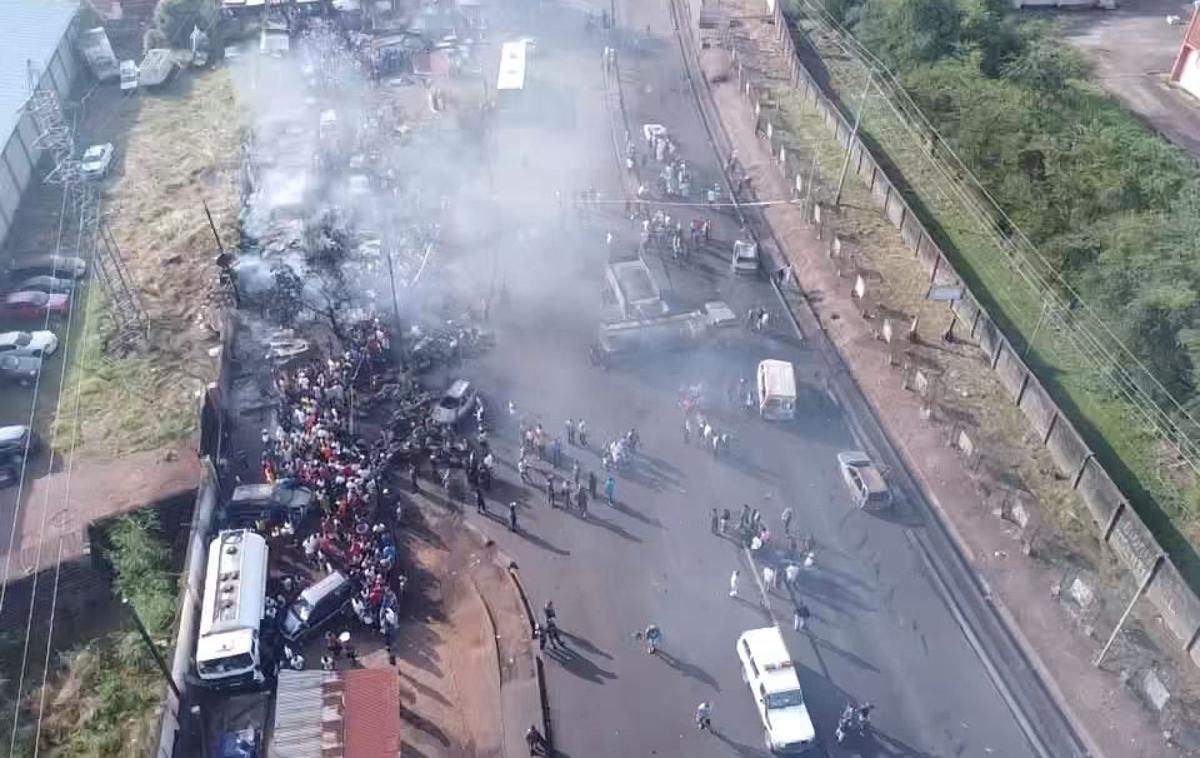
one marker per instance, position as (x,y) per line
(455,403)
(867,487)
(20,368)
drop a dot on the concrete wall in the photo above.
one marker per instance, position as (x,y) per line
(1118,525)
(1011,371)
(1040,411)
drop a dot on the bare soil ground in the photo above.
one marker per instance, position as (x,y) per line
(463,620)
(175,150)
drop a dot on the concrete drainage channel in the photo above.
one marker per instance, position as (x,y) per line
(1011,663)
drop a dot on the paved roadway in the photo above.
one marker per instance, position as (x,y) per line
(880,632)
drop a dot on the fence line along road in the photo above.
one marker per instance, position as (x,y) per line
(1119,525)
(1029,298)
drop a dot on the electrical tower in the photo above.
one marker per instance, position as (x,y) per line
(95,242)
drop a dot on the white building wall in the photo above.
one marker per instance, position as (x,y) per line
(1189,75)
(19,158)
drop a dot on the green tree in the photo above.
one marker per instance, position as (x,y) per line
(175,18)
(1044,64)
(906,33)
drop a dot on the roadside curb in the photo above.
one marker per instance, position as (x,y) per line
(505,562)
(835,363)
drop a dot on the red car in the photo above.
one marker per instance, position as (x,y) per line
(29,304)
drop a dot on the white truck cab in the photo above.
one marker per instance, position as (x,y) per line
(768,668)
(228,648)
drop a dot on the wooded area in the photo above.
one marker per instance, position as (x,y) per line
(1110,204)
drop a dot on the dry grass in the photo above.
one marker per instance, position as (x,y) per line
(181,150)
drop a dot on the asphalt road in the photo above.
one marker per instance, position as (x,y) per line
(880,632)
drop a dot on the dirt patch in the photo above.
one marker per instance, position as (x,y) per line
(179,150)
(463,620)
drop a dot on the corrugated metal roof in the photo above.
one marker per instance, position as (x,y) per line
(372,727)
(299,720)
(350,714)
(30,30)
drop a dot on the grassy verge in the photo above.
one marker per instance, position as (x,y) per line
(1131,451)
(101,697)
(121,404)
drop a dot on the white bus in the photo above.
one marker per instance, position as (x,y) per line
(228,651)
(511,78)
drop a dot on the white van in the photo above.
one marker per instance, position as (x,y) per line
(768,669)
(776,390)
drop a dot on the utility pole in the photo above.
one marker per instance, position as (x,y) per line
(1036,328)
(808,186)
(162,665)
(213,226)
(1145,585)
(862,106)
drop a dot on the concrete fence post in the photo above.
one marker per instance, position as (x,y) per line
(1079,471)
(1050,428)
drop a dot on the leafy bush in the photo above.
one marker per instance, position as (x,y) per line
(1108,201)
(176,18)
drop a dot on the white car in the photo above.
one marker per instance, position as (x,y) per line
(96,161)
(38,344)
(768,669)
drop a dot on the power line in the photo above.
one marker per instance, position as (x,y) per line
(1093,340)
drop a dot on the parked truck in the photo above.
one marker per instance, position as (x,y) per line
(229,646)
(98,53)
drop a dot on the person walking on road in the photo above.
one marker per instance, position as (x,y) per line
(581,428)
(687,430)
(570,425)
(610,486)
(715,522)
(791,575)
(769,578)
(550,489)
(549,612)
(704,717)
(553,635)
(800,616)
(480,503)
(523,470)
(786,517)
(581,500)
(653,639)
(733,583)
(512,516)
(592,484)
(575,473)
(556,452)
(535,741)
(724,525)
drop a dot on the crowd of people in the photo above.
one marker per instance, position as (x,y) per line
(312,446)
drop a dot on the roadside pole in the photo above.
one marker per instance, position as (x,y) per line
(862,106)
(162,664)
(1145,585)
